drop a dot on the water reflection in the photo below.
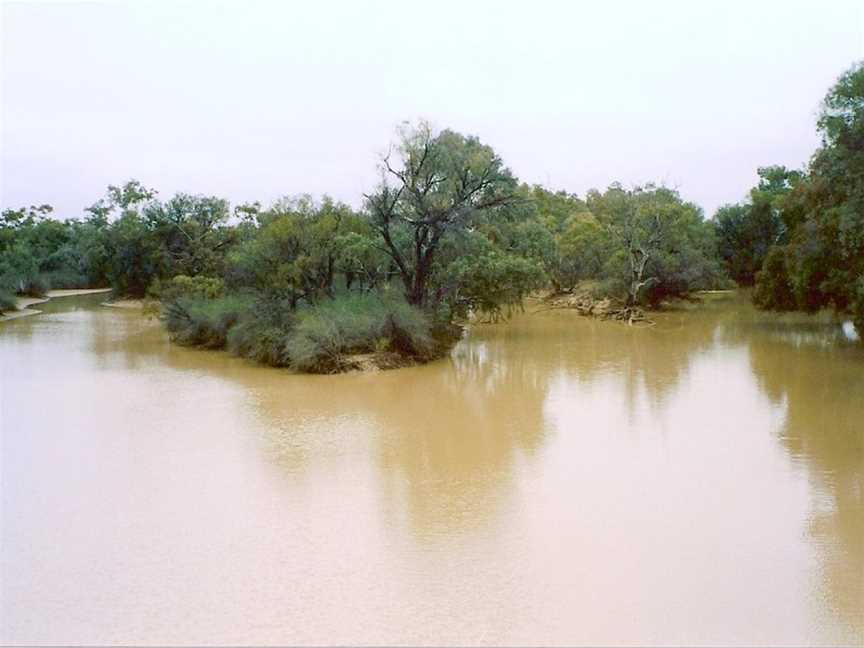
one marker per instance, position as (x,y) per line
(446,435)
(811,371)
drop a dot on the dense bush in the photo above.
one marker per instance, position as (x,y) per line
(653,242)
(747,231)
(317,339)
(7,301)
(325,334)
(185,286)
(858,305)
(259,340)
(204,322)
(33,285)
(491,281)
(773,287)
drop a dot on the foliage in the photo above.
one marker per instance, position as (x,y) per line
(296,253)
(442,184)
(493,279)
(260,341)
(318,339)
(196,321)
(7,301)
(536,225)
(858,305)
(655,244)
(185,286)
(584,250)
(746,231)
(821,262)
(190,233)
(328,332)
(773,287)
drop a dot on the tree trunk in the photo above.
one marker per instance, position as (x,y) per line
(637,271)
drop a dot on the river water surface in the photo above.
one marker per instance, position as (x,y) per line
(557,480)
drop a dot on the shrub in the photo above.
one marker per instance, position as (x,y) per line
(185,286)
(204,322)
(317,339)
(773,287)
(613,287)
(492,280)
(260,341)
(35,285)
(858,306)
(7,302)
(66,279)
(328,332)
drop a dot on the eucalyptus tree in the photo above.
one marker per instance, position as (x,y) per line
(192,233)
(658,244)
(435,187)
(638,221)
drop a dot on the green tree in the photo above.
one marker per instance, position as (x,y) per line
(438,188)
(135,258)
(191,233)
(296,254)
(823,260)
(746,231)
(649,227)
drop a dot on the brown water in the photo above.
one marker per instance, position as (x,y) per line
(558,480)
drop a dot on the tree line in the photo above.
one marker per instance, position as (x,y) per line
(799,239)
(447,231)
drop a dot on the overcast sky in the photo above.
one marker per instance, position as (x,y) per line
(252,100)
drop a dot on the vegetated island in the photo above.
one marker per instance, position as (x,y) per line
(449,234)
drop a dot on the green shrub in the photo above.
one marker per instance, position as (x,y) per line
(773,289)
(328,332)
(204,322)
(858,306)
(612,287)
(35,285)
(260,341)
(491,280)
(65,279)
(7,302)
(185,286)
(317,339)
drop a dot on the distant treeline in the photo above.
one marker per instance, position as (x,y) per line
(448,231)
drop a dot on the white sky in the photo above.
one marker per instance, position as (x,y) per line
(253,100)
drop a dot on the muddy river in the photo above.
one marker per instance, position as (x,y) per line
(557,480)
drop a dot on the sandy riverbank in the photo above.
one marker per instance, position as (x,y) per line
(23,304)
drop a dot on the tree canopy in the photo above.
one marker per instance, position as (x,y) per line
(801,236)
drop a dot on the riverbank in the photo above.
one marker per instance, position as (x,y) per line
(583,301)
(23,304)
